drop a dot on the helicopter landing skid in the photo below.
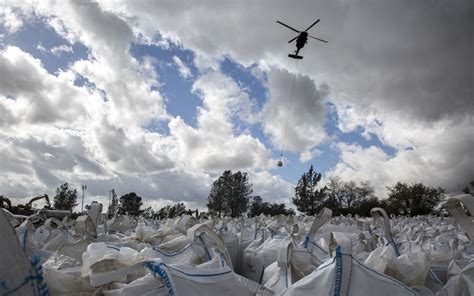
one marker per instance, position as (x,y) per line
(294,56)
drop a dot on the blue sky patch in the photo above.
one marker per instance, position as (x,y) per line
(176,90)
(38,39)
(354,137)
(246,80)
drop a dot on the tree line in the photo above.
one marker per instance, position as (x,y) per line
(130,204)
(349,197)
(231,195)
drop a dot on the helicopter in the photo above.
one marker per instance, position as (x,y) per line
(301,39)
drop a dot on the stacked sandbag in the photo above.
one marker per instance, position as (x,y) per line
(303,255)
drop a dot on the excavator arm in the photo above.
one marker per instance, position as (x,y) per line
(5,201)
(45,196)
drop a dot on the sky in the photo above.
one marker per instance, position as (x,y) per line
(160,97)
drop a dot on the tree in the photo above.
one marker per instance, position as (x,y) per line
(416,199)
(173,211)
(65,198)
(230,194)
(308,198)
(114,204)
(258,207)
(279,209)
(347,197)
(216,201)
(148,213)
(363,207)
(469,189)
(130,203)
(239,194)
(177,210)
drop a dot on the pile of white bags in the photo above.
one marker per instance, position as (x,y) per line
(321,255)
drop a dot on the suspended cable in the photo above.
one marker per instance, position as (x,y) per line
(280,163)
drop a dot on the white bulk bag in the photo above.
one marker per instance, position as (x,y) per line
(195,248)
(456,206)
(10,217)
(67,281)
(252,264)
(214,277)
(85,226)
(309,241)
(231,242)
(95,213)
(184,223)
(19,275)
(121,223)
(281,274)
(344,275)
(102,262)
(461,284)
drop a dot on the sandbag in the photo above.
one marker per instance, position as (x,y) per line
(19,275)
(343,275)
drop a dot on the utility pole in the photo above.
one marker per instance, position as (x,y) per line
(108,208)
(83,187)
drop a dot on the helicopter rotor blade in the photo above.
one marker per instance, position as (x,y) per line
(292,39)
(288,26)
(317,21)
(318,39)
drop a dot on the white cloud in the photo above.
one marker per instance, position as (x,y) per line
(40,47)
(305,113)
(272,188)
(10,19)
(439,156)
(57,50)
(104,144)
(182,68)
(215,145)
(30,94)
(307,155)
(394,70)
(389,55)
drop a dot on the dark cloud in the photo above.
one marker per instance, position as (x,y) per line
(407,64)
(409,57)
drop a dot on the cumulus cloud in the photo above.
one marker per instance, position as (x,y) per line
(307,155)
(182,68)
(408,57)
(398,70)
(272,188)
(439,156)
(57,50)
(104,144)
(215,145)
(305,112)
(30,94)
(11,19)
